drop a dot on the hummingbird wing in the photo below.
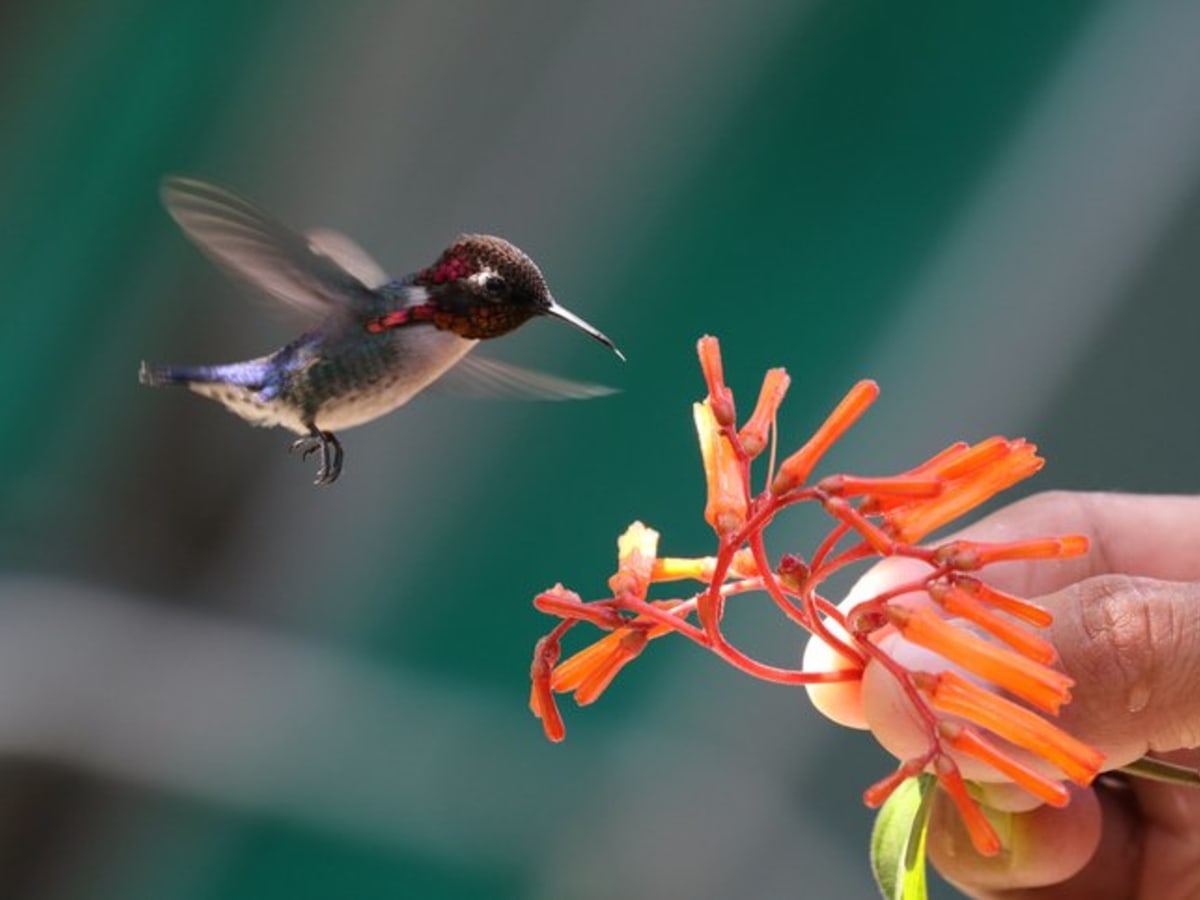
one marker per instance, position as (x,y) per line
(305,274)
(481,376)
(347,254)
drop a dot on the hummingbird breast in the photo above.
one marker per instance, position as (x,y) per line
(350,380)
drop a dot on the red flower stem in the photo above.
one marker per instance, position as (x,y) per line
(808,618)
(716,642)
(880,541)
(904,679)
(829,610)
(556,633)
(673,618)
(766,672)
(916,586)
(876,794)
(826,546)
(771,584)
(710,606)
(925,554)
(741,586)
(684,608)
(602,615)
(847,557)
(826,608)
(765,507)
(817,575)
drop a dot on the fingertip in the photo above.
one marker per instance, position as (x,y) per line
(1042,846)
(840,701)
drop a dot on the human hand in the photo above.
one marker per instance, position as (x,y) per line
(1127,629)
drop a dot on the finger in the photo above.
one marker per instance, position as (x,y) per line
(1171,820)
(1146,848)
(1088,850)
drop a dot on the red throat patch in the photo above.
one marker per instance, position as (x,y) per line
(450,267)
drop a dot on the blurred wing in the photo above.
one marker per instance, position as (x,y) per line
(479,376)
(251,245)
(347,254)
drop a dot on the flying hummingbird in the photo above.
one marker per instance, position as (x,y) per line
(377,341)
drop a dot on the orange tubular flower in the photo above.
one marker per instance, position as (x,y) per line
(974,555)
(796,468)
(967,741)
(958,602)
(876,794)
(592,669)
(969,478)
(1029,680)
(720,398)
(596,665)
(541,698)
(901,488)
(755,432)
(977,458)
(673,568)
(626,644)
(726,508)
(983,836)
(954,695)
(636,550)
(869,517)
(1017,607)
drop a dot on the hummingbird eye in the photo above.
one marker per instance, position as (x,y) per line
(495,286)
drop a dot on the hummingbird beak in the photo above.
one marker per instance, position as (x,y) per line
(560,312)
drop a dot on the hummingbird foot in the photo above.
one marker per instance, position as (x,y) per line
(331,453)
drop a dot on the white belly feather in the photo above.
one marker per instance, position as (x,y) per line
(426,354)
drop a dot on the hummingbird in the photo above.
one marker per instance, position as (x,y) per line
(376,341)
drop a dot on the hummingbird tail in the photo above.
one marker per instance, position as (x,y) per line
(155,376)
(254,374)
(244,388)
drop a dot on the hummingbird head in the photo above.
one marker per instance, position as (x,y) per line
(484,287)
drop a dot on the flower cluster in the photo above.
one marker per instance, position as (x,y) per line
(975,628)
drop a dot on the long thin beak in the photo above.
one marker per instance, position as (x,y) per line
(560,312)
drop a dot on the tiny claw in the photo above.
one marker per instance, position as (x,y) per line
(306,446)
(331,454)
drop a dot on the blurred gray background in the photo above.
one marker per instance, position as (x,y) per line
(217,681)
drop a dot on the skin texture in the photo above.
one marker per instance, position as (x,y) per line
(1127,628)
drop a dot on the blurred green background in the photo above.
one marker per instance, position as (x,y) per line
(217,681)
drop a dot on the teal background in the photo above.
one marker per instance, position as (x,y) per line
(219,682)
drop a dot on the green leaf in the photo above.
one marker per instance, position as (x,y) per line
(898,840)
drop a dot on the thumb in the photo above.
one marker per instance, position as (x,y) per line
(1133,647)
